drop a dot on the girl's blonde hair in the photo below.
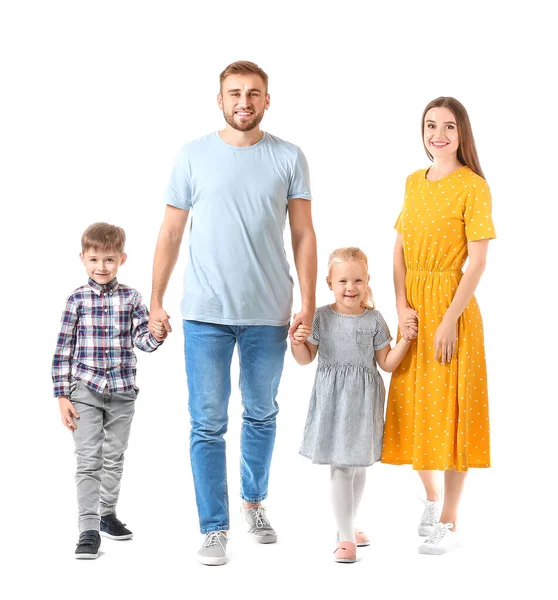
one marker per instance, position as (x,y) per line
(354,254)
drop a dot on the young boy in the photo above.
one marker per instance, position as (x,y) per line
(94,371)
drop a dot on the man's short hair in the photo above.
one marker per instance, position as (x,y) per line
(103,237)
(243,67)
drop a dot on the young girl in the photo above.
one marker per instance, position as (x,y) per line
(440,390)
(346,413)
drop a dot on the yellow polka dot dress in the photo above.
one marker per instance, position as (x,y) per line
(437,415)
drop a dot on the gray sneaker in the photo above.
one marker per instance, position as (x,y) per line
(214,549)
(259,527)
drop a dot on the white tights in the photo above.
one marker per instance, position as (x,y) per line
(347,486)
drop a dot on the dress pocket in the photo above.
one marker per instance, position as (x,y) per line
(365,340)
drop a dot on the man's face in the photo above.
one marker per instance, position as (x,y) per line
(243,100)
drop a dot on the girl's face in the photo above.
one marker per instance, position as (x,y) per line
(440,132)
(349,283)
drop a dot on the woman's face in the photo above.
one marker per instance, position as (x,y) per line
(440,132)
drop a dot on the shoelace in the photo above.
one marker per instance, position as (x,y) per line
(439,533)
(432,512)
(261,519)
(213,538)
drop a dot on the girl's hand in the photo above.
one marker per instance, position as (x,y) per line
(302,333)
(408,322)
(304,317)
(445,341)
(67,411)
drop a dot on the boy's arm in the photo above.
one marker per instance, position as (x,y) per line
(62,361)
(390,358)
(141,336)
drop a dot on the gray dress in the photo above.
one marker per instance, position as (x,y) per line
(345,420)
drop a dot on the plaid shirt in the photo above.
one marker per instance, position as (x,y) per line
(100,326)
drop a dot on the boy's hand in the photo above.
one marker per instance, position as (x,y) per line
(67,411)
(158,330)
(160,316)
(302,333)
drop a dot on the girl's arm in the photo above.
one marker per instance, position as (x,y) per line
(446,334)
(304,353)
(405,313)
(390,358)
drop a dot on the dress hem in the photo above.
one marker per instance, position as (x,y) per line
(405,462)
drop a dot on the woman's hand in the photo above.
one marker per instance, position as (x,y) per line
(445,341)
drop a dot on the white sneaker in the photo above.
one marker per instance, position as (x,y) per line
(259,527)
(441,541)
(430,517)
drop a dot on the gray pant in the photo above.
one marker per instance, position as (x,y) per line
(101,437)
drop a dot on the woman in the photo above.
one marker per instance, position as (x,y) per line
(437,414)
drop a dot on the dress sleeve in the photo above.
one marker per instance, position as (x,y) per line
(382,336)
(399,223)
(478,212)
(314,337)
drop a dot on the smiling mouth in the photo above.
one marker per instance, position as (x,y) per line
(439,144)
(243,113)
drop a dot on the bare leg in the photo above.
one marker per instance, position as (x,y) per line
(431,484)
(454,482)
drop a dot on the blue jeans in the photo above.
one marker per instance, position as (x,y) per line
(208,349)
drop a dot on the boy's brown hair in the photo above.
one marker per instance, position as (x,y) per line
(103,237)
(242,67)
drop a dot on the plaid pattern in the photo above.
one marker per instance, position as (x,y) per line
(100,326)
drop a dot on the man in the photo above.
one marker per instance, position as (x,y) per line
(239,183)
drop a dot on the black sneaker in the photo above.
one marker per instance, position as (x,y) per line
(88,544)
(114,529)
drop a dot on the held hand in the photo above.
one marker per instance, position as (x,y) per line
(159,332)
(411,328)
(407,318)
(304,317)
(302,333)
(159,323)
(445,340)
(67,411)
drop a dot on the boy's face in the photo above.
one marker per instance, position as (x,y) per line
(102,266)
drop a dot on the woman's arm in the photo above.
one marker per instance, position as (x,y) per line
(446,335)
(406,315)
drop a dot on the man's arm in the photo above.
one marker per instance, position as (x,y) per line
(305,257)
(166,255)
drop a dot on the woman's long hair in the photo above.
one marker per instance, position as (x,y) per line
(467,151)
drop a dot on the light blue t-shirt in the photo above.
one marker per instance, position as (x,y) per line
(237,272)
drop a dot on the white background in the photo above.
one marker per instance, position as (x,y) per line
(97,99)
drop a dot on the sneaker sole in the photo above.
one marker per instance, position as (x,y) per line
(344,560)
(117,537)
(261,539)
(437,551)
(212,561)
(87,556)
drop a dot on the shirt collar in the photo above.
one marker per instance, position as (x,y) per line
(107,287)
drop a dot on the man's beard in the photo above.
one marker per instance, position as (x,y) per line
(247,125)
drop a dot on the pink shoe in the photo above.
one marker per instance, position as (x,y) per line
(360,537)
(345,552)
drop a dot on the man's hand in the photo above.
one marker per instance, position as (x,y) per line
(302,333)
(158,324)
(304,317)
(68,413)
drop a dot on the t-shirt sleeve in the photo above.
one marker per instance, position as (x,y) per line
(314,337)
(299,185)
(478,212)
(179,189)
(382,336)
